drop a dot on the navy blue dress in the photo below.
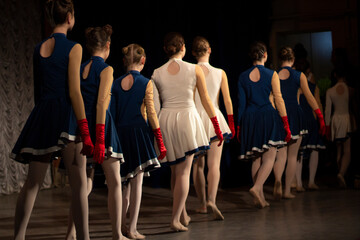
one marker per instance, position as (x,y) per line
(260,124)
(52,122)
(289,91)
(312,140)
(89,91)
(133,130)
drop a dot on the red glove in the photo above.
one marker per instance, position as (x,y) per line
(88,146)
(99,151)
(238,134)
(217,129)
(231,124)
(320,117)
(160,143)
(328,133)
(287,128)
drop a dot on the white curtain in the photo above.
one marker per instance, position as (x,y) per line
(20,30)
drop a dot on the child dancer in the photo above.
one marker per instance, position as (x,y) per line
(132,107)
(291,82)
(338,124)
(216,79)
(311,142)
(51,124)
(260,130)
(184,134)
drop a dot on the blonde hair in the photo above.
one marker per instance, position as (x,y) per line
(132,54)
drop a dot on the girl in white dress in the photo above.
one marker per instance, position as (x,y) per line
(216,80)
(183,132)
(338,124)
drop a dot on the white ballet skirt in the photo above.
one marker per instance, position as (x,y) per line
(339,122)
(181,126)
(213,85)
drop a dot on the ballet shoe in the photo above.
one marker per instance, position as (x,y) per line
(185,220)
(216,212)
(178,227)
(257,199)
(277,190)
(288,196)
(300,189)
(202,210)
(313,186)
(135,235)
(341,181)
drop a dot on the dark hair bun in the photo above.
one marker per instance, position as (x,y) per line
(257,51)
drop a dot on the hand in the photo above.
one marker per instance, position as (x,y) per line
(238,134)
(99,151)
(217,130)
(231,124)
(320,117)
(160,143)
(88,146)
(287,128)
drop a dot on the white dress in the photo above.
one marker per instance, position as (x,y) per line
(213,85)
(180,123)
(339,120)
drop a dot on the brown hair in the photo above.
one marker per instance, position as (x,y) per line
(286,54)
(257,51)
(200,46)
(97,37)
(132,54)
(57,10)
(173,42)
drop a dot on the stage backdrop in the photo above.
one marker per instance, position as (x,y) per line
(20,30)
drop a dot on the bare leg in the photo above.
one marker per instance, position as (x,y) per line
(71,231)
(213,177)
(180,191)
(27,197)
(134,208)
(199,183)
(291,167)
(313,164)
(111,169)
(279,167)
(267,165)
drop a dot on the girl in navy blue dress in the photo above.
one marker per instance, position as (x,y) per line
(96,84)
(292,82)
(260,126)
(52,123)
(312,142)
(133,108)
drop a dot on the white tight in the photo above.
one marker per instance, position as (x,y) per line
(180,180)
(27,196)
(213,176)
(132,200)
(288,153)
(111,169)
(343,156)
(313,164)
(261,169)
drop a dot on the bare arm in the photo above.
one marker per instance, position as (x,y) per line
(226,94)
(317,98)
(74,82)
(104,94)
(204,96)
